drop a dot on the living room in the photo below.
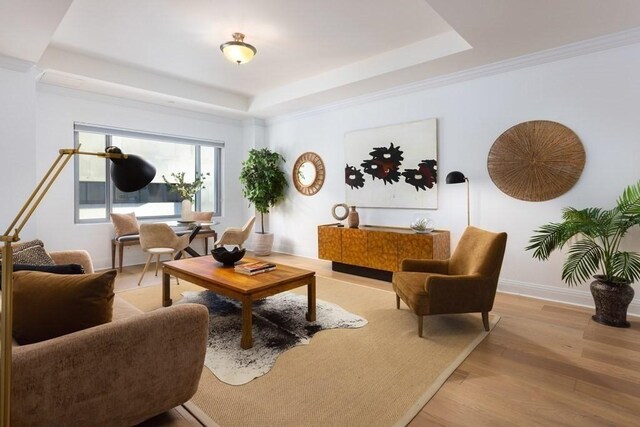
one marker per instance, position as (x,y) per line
(570,62)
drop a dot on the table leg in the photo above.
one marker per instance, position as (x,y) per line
(120,256)
(311,300)
(247,340)
(166,292)
(113,255)
(192,252)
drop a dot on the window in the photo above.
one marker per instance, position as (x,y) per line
(96,197)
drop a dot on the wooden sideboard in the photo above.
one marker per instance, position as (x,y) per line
(375,251)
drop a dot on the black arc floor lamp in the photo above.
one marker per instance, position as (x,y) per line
(457,177)
(128,172)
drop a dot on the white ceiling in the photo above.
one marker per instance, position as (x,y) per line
(309,52)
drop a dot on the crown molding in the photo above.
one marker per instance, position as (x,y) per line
(130,103)
(585,47)
(15,64)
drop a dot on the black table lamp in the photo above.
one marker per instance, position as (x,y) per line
(457,177)
(128,172)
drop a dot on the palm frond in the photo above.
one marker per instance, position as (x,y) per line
(629,201)
(583,260)
(628,209)
(626,266)
(546,239)
(592,222)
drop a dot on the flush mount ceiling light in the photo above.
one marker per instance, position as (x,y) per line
(237,50)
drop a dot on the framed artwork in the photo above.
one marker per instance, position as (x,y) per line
(393,166)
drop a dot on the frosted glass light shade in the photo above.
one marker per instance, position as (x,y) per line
(237,50)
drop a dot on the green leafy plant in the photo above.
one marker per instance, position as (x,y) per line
(594,236)
(263,181)
(186,190)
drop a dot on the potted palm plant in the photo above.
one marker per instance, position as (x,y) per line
(264,185)
(594,236)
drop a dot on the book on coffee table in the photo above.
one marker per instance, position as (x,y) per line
(254,268)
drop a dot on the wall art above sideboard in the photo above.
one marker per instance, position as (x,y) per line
(392,166)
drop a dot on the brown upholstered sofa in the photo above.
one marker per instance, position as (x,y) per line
(116,374)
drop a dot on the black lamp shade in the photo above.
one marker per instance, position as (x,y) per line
(132,173)
(455,177)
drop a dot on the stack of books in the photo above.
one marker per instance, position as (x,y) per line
(252,268)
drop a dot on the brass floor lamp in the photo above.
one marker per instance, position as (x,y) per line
(457,177)
(128,173)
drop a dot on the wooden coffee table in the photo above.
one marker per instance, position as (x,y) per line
(210,274)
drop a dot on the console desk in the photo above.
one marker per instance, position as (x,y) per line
(375,251)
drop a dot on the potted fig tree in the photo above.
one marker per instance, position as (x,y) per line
(593,236)
(264,185)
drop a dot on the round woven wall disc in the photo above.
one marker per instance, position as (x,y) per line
(537,160)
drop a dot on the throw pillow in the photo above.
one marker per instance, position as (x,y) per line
(56,269)
(125,224)
(31,252)
(47,305)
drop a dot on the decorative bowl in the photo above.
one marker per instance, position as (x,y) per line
(422,225)
(226,257)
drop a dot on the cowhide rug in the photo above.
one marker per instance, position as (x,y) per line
(279,323)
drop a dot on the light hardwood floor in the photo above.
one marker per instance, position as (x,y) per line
(545,363)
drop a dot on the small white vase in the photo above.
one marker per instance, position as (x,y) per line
(185,215)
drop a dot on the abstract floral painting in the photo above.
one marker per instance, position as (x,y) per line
(393,166)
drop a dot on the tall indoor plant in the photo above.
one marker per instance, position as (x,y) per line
(594,236)
(264,185)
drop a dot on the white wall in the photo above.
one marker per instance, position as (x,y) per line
(17,144)
(57,109)
(595,95)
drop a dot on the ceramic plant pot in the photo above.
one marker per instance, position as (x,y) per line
(612,300)
(262,243)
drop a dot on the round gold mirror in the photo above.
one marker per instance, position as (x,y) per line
(308,174)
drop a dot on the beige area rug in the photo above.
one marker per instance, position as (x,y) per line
(378,375)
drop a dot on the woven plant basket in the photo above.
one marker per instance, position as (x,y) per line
(536,160)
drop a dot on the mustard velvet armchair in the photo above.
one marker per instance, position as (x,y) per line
(465,283)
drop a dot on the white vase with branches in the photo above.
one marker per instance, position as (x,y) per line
(186,190)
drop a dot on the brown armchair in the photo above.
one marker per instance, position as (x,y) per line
(465,283)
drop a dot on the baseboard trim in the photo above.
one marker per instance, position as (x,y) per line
(567,295)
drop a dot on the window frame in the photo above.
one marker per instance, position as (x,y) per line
(109,132)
